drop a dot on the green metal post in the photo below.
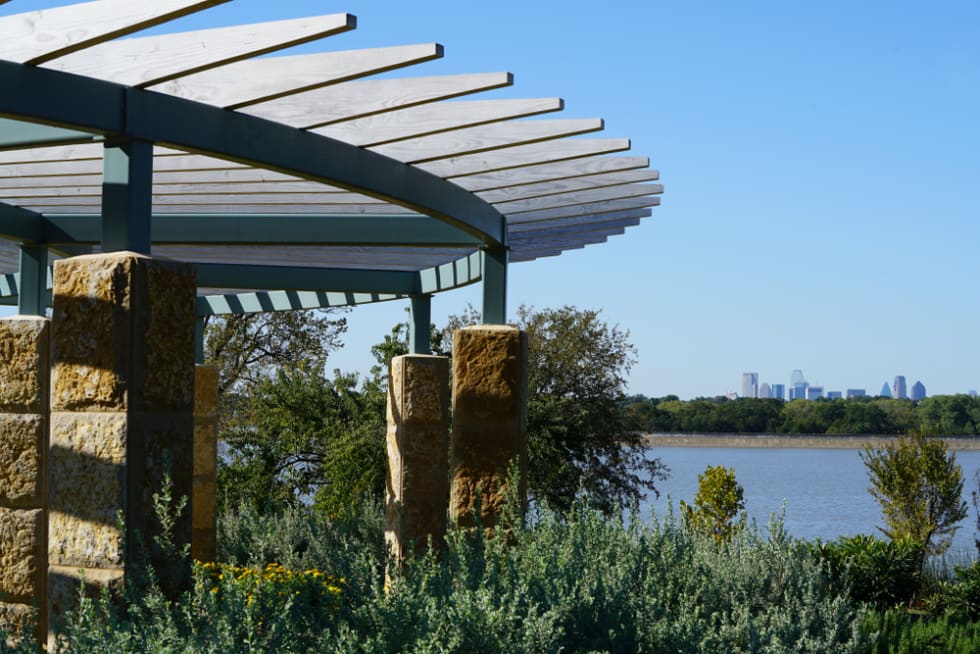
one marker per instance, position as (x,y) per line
(418,328)
(32,289)
(494,286)
(127,196)
(199,340)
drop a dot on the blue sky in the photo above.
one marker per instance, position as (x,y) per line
(820,162)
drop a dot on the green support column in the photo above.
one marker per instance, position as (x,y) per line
(494,286)
(32,291)
(199,341)
(127,196)
(418,328)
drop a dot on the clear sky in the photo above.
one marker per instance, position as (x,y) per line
(820,163)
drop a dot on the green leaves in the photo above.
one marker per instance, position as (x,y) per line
(919,486)
(719,500)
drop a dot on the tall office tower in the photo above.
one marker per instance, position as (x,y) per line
(885,391)
(750,384)
(796,377)
(834,395)
(855,392)
(898,388)
(764,391)
(778,391)
(814,392)
(918,391)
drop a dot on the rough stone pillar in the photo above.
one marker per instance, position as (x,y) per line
(418,433)
(122,393)
(205,462)
(489,420)
(23,442)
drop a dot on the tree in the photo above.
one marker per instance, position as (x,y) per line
(249,347)
(919,486)
(719,500)
(579,436)
(303,438)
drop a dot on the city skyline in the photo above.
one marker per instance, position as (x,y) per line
(755,386)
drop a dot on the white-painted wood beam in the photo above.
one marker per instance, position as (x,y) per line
(262,80)
(364,98)
(435,118)
(524,155)
(549,172)
(152,60)
(40,36)
(591,196)
(569,185)
(485,138)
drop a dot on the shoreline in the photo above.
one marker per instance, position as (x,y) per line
(810,441)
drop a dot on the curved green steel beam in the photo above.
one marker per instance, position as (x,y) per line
(270,229)
(38,95)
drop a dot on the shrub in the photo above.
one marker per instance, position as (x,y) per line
(900,632)
(717,504)
(881,573)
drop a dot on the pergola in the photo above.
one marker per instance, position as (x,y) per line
(291,181)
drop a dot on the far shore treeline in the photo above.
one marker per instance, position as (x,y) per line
(948,415)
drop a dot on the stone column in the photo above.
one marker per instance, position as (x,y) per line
(417,480)
(205,462)
(122,393)
(23,442)
(489,420)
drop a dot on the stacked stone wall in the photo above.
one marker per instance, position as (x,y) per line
(417,486)
(489,421)
(205,462)
(122,392)
(24,343)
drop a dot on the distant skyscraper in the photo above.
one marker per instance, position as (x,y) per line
(885,391)
(918,391)
(855,392)
(833,395)
(814,392)
(778,391)
(764,390)
(796,377)
(750,384)
(898,388)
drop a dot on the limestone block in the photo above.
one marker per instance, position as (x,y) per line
(489,419)
(64,583)
(24,364)
(21,534)
(17,619)
(205,391)
(123,333)
(203,544)
(21,458)
(87,488)
(204,504)
(417,442)
(205,448)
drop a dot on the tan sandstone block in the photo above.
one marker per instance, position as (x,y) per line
(489,419)
(21,458)
(17,619)
(205,448)
(21,534)
(24,345)
(87,488)
(64,584)
(205,391)
(417,442)
(123,333)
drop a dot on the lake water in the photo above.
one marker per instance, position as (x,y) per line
(824,491)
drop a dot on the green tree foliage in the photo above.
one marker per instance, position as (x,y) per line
(247,348)
(305,437)
(950,415)
(717,504)
(919,486)
(579,436)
